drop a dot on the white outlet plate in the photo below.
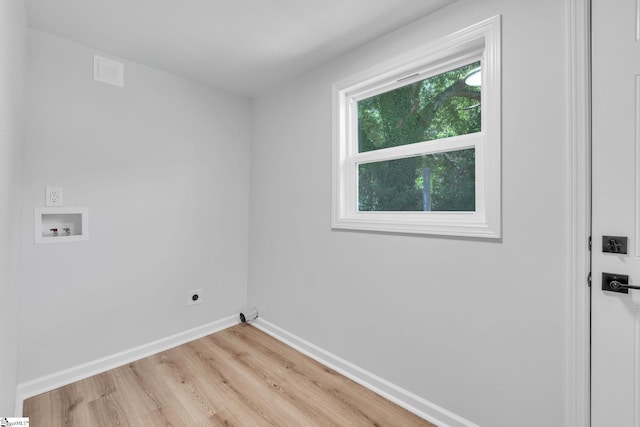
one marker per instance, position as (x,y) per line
(194,293)
(53,196)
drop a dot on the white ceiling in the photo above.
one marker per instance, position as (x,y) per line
(242,46)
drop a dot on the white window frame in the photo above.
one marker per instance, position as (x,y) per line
(477,42)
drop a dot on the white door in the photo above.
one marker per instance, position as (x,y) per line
(615,316)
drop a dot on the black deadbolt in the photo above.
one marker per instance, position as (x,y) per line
(614,244)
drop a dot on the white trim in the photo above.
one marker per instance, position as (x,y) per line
(579,178)
(77,373)
(401,397)
(372,86)
(637,20)
(637,169)
(480,41)
(636,367)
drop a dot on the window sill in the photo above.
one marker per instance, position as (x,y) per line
(459,224)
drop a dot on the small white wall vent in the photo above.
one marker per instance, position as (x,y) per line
(108,71)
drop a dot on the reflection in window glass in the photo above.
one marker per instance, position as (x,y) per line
(438,107)
(434,182)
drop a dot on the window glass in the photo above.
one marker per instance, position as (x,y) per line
(440,106)
(434,182)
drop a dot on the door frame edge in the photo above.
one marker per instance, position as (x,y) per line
(578,412)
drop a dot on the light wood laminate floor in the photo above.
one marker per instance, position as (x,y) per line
(237,377)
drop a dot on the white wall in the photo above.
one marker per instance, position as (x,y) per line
(163,166)
(12,58)
(477,327)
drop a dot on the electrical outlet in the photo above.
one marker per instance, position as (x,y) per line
(53,196)
(195,297)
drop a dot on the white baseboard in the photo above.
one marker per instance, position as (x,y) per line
(68,376)
(404,398)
